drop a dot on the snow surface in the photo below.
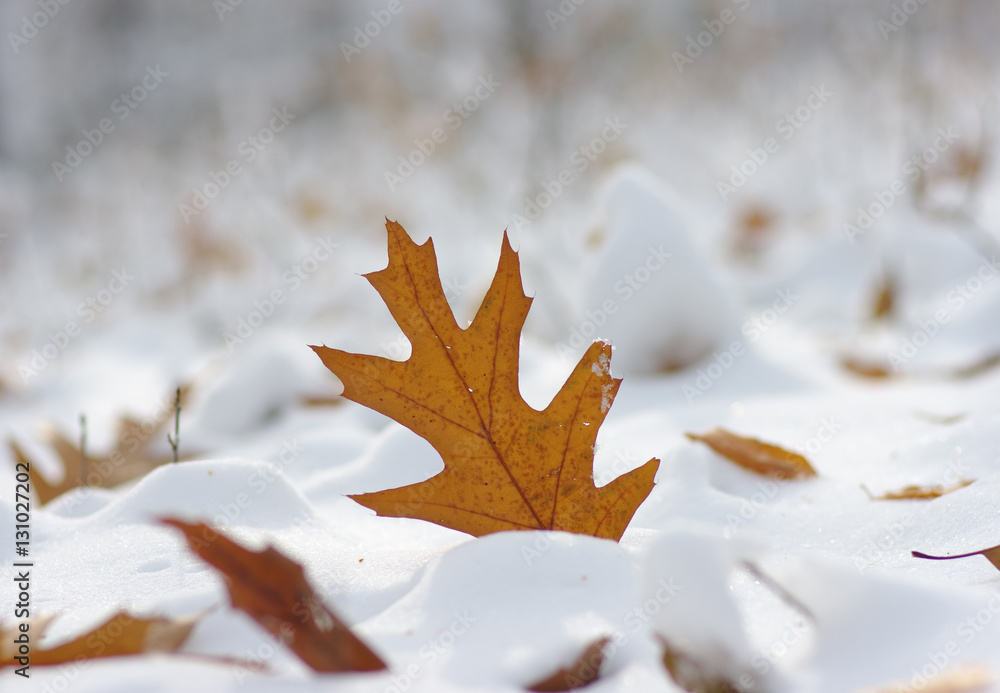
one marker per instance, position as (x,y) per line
(783,587)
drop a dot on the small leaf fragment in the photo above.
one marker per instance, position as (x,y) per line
(915,492)
(584,671)
(273,590)
(885,298)
(959,679)
(759,457)
(121,635)
(865,368)
(991,554)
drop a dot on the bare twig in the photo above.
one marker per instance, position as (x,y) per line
(84,465)
(175,439)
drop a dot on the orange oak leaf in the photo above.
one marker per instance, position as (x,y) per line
(121,635)
(763,458)
(583,672)
(273,590)
(507,466)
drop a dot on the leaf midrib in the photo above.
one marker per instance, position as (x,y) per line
(487,432)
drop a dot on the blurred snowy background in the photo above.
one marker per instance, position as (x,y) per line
(696,90)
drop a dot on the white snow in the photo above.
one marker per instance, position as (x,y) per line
(639,249)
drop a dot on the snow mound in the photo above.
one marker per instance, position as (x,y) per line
(649,292)
(856,615)
(262,381)
(686,596)
(256,494)
(558,592)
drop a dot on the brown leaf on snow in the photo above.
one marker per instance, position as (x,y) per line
(129,460)
(881,371)
(507,465)
(121,635)
(273,590)
(991,554)
(885,299)
(915,492)
(580,673)
(762,458)
(959,679)
(693,675)
(866,369)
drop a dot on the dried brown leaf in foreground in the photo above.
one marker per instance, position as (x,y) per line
(129,460)
(121,635)
(273,590)
(915,492)
(580,673)
(692,674)
(762,458)
(991,554)
(507,466)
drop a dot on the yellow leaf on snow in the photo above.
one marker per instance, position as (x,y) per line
(507,466)
(762,458)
